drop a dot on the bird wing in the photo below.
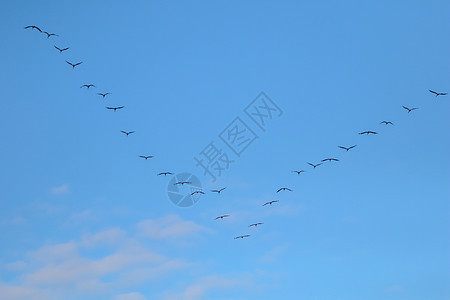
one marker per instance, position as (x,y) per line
(69,63)
(433,92)
(120,107)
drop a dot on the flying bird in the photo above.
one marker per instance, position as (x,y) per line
(218,191)
(270,202)
(438,94)
(342,147)
(387,123)
(242,236)
(127,133)
(255,224)
(314,165)
(298,172)
(103,94)
(368,132)
(50,34)
(330,159)
(61,50)
(284,189)
(115,108)
(197,192)
(409,109)
(33,27)
(221,217)
(164,173)
(73,65)
(87,86)
(146,157)
(182,182)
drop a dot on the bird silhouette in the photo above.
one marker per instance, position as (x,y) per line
(197,192)
(33,27)
(346,149)
(87,86)
(386,123)
(409,109)
(255,224)
(270,202)
(284,189)
(182,182)
(50,34)
(218,191)
(314,165)
(437,93)
(61,50)
(115,108)
(146,156)
(368,132)
(103,94)
(298,172)
(73,65)
(242,236)
(164,173)
(127,132)
(221,217)
(330,159)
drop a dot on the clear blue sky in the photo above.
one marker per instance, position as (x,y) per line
(83,217)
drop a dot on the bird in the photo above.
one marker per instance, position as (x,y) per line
(387,123)
(33,27)
(242,236)
(127,133)
(255,224)
(284,189)
(221,217)
(298,172)
(342,147)
(103,94)
(50,34)
(409,109)
(330,159)
(87,86)
(218,191)
(437,94)
(61,50)
(197,192)
(146,157)
(73,65)
(368,132)
(182,182)
(164,173)
(270,202)
(115,108)
(314,165)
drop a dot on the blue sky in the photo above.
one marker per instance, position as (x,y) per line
(83,217)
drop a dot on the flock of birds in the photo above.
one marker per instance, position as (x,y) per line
(219,191)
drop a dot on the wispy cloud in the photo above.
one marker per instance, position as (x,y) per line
(171,226)
(129,296)
(60,190)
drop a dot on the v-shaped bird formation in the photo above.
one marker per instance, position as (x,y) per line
(218,191)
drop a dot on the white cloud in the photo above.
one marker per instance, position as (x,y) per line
(199,289)
(171,226)
(129,296)
(60,190)
(104,264)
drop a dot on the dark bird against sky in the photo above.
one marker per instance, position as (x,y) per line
(284,189)
(61,50)
(146,156)
(242,236)
(437,93)
(313,165)
(270,202)
(346,149)
(221,217)
(255,224)
(298,172)
(164,173)
(218,191)
(368,132)
(74,65)
(409,109)
(50,34)
(103,94)
(115,108)
(87,86)
(386,123)
(33,27)
(127,132)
